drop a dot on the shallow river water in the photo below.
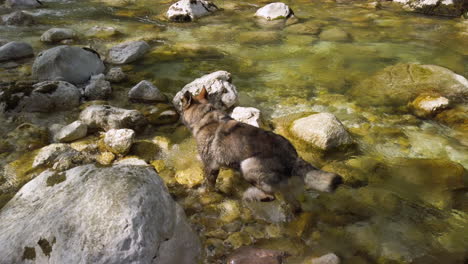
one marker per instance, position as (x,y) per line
(405,199)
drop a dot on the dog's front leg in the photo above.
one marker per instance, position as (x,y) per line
(211,174)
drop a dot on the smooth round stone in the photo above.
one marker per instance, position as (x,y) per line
(58,34)
(15,50)
(274,11)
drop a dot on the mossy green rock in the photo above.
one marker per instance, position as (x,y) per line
(397,85)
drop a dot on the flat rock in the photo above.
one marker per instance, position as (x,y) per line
(323,130)
(146,91)
(51,96)
(221,92)
(107,117)
(71,64)
(127,52)
(22,3)
(274,11)
(71,132)
(118,214)
(399,84)
(58,34)
(189,10)
(116,75)
(18,18)
(98,88)
(119,141)
(248,115)
(15,50)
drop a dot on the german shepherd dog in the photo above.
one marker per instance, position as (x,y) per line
(265,159)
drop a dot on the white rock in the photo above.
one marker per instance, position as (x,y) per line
(52,153)
(108,117)
(119,141)
(118,214)
(127,52)
(329,258)
(51,96)
(189,10)
(22,3)
(71,132)
(248,115)
(116,75)
(221,92)
(71,64)
(98,88)
(146,91)
(274,11)
(15,50)
(323,130)
(429,105)
(57,34)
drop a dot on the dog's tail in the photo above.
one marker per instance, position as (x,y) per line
(316,179)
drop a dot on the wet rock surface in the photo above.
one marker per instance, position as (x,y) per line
(98,88)
(146,91)
(274,11)
(71,132)
(127,52)
(50,96)
(83,205)
(107,117)
(15,50)
(57,34)
(251,255)
(18,18)
(22,3)
(67,63)
(189,10)
(119,141)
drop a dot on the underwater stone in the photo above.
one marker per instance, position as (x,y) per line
(101,32)
(323,130)
(15,50)
(334,34)
(146,91)
(98,88)
(116,75)
(190,177)
(108,117)
(71,132)
(125,211)
(71,64)
(127,52)
(274,11)
(221,92)
(22,3)
(58,34)
(429,105)
(119,141)
(18,18)
(189,10)
(252,255)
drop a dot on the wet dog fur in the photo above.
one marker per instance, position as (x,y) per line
(265,159)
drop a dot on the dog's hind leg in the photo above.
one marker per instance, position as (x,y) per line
(258,172)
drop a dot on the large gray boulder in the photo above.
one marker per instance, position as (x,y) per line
(17,18)
(221,92)
(57,34)
(127,52)
(107,117)
(453,8)
(399,84)
(51,96)
(323,130)
(67,63)
(119,214)
(15,50)
(189,10)
(274,11)
(22,3)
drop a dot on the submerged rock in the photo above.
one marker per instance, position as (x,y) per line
(58,34)
(116,75)
(18,18)
(323,130)
(259,37)
(252,255)
(189,10)
(221,92)
(50,96)
(429,105)
(102,32)
(124,211)
(146,91)
(71,64)
(334,34)
(127,52)
(22,3)
(248,115)
(453,8)
(71,132)
(119,141)
(399,84)
(274,11)
(98,88)
(15,50)
(107,117)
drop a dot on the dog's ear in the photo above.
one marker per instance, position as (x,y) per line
(202,96)
(186,100)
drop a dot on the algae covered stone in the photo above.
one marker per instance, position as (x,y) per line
(323,130)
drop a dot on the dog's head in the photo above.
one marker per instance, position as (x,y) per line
(194,108)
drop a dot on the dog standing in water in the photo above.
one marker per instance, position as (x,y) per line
(265,159)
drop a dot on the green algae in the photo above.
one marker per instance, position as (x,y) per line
(29,253)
